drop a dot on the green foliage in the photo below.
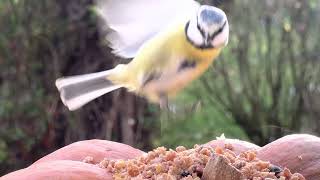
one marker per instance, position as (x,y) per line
(3,152)
(41,41)
(197,128)
(195,121)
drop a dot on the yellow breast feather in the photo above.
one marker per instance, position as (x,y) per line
(155,70)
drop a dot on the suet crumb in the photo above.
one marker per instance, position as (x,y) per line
(188,164)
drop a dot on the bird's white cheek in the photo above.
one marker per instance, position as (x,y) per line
(221,39)
(194,34)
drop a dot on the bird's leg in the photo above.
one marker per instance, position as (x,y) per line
(164,104)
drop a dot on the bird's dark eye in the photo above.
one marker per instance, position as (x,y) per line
(218,31)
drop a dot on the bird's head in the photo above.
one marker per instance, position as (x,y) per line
(208,29)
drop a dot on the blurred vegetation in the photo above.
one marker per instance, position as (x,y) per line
(263,86)
(39,42)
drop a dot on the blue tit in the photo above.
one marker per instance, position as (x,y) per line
(172,42)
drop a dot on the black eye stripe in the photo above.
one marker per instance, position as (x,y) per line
(219,30)
(214,34)
(200,29)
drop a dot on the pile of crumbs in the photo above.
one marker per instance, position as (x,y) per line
(188,164)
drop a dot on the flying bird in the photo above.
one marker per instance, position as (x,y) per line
(172,42)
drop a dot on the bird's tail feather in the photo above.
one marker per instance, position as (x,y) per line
(76,91)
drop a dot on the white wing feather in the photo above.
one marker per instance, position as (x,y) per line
(133,22)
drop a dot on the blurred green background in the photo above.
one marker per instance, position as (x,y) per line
(266,83)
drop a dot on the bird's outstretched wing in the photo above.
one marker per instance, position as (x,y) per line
(133,22)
